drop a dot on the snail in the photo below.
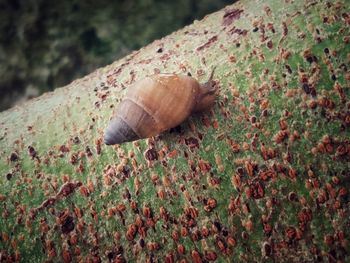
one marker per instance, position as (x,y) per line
(157,103)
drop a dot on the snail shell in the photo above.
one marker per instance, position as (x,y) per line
(157,103)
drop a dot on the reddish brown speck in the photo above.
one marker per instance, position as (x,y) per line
(257,190)
(192,142)
(14,157)
(196,257)
(231,15)
(269,44)
(151,154)
(210,255)
(208,43)
(32,152)
(291,232)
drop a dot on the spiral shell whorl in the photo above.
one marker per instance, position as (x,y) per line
(118,132)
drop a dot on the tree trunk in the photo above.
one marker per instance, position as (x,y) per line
(263,176)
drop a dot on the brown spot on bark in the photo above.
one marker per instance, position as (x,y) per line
(208,43)
(192,142)
(67,225)
(151,154)
(257,190)
(230,16)
(14,157)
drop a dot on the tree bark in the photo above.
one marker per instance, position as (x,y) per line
(263,176)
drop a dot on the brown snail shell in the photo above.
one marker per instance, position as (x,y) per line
(158,103)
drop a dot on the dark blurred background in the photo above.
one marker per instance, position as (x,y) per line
(45,44)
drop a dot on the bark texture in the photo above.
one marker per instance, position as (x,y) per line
(263,176)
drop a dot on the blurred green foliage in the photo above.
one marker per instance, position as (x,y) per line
(46,44)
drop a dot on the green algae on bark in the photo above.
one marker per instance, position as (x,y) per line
(263,176)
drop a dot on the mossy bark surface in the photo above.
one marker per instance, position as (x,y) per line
(263,176)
